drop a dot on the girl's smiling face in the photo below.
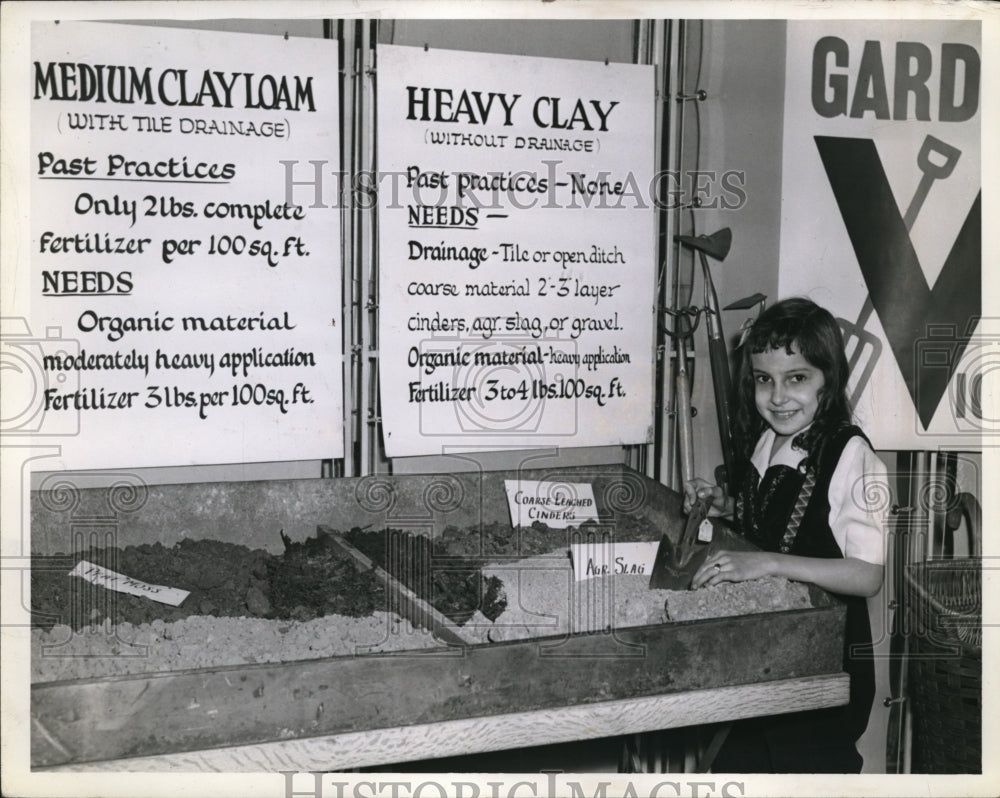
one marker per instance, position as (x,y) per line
(786,389)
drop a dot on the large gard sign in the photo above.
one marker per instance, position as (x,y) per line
(516,251)
(882,145)
(176,298)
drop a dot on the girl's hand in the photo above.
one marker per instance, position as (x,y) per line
(733,566)
(847,575)
(703,489)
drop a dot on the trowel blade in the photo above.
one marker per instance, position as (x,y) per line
(674,568)
(676,563)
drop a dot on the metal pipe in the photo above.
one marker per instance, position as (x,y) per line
(671,49)
(650,50)
(367,243)
(365,268)
(349,301)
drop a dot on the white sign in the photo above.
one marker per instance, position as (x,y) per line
(609,558)
(180,296)
(882,146)
(516,251)
(98,575)
(558,505)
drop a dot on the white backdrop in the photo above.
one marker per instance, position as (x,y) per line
(881,219)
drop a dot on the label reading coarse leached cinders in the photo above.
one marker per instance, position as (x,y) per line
(99,575)
(558,505)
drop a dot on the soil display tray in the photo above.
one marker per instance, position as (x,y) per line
(283,677)
(322,597)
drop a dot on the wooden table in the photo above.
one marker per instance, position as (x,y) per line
(359,711)
(498,732)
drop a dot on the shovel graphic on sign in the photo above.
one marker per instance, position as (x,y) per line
(863,345)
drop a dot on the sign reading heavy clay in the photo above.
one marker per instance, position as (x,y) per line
(882,142)
(516,251)
(184,309)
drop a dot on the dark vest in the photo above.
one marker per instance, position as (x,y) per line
(764,506)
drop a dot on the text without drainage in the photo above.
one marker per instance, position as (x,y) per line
(519,282)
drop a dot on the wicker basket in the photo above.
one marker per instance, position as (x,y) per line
(944,612)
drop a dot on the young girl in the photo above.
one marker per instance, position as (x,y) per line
(807,475)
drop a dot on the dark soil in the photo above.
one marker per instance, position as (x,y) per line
(219,576)
(313,578)
(493,543)
(224,579)
(455,587)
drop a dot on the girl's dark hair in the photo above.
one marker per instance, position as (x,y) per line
(814,333)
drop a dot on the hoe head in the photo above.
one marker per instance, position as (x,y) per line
(715,246)
(676,563)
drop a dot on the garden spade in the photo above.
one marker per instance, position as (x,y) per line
(716,246)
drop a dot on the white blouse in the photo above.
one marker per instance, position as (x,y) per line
(859,494)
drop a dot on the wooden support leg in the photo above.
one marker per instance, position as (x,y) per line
(708,757)
(669,751)
(630,760)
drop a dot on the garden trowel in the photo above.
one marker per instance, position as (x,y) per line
(676,563)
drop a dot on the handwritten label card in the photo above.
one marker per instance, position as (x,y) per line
(556,504)
(98,575)
(608,558)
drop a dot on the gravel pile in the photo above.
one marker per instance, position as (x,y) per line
(769,594)
(207,642)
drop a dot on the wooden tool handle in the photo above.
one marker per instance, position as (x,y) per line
(415,609)
(684,429)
